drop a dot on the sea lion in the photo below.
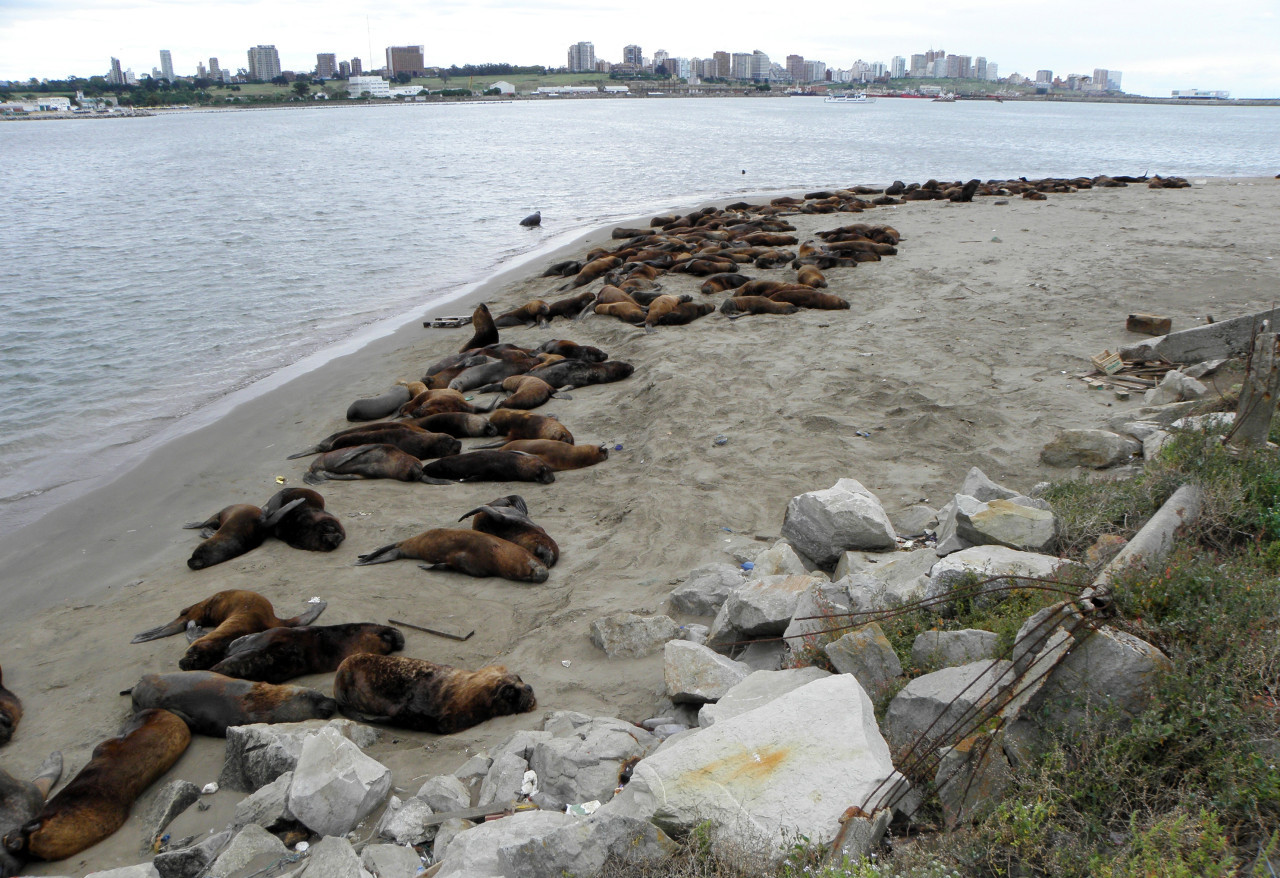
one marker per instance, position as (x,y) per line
(738,306)
(774,258)
(508,518)
(209,702)
(375,407)
(525,425)
(485,332)
(719,283)
(451,361)
(857,246)
(570,306)
(307,526)
(472,552)
(417,694)
(573,351)
(436,400)
(364,434)
(759,287)
(97,800)
(592,270)
(492,372)
(527,392)
(626,313)
(232,531)
(809,298)
(10,712)
(560,456)
(576,373)
(686,312)
(408,437)
(280,654)
(366,462)
(460,425)
(235,613)
(660,306)
(563,269)
(811,276)
(531,313)
(20,801)
(490,466)
(532,220)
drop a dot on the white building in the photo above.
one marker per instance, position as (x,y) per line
(567,90)
(503,87)
(166,65)
(374,85)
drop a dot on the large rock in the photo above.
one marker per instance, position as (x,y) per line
(141,870)
(971,780)
(948,649)
(979,487)
(1005,523)
(259,753)
(332,858)
(405,821)
(912,522)
(1174,387)
(757,690)
(252,848)
(335,786)
(866,653)
(705,590)
(946,705)
(626,635)
(474,769)
(478,852)
(391,861)
(505,778)
(445,793)
(790,768)
(901,578)
(948,539)
(267,807)
(780,559)
(985,562)
(583,764)
(820,611)
(696,674)
(824,524)
(1093,448)
(581,848)
(190,861)
(764,607)
(173,798)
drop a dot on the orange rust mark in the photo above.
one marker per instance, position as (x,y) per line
(750,766)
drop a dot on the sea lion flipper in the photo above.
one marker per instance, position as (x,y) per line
(314,449)
(48,774)
(200,525)
(270,518)
(432,480)
(307,616)
(380,556)
(558,395)
(195,632)
(167,630)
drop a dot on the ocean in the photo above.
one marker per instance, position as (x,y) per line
(153,266)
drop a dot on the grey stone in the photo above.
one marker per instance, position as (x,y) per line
(944,705)
(446,832)
(866,654)
(762,777)
(390,861)
(503,782)
(1174,387)
(335,786)
(695,673)
(565,723)
(1006,523)
(257,754)
(722,636)
(332,857)
(764,607)
(824,606)
(582,848)
(856,561)
(947,539)
(190,861)
(1211,421)
(141,870)
(267,807)
(445,793)
(912,521)
(825,524)
(173,798)
(763,655)
(979,487)
(626,635)
(695,633)
(477,853)
(859,836)
(1225,338)
(1092,448)
(780,559)
(996,561)
(1153,443)
(584,765)
(971,780)
(522,742)
(252,846)
(904,577)
(473,769)
(404,821)
(705,589)
(757,690)
(948,649)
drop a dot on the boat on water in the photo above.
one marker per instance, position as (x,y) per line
(855,98)
(947,98)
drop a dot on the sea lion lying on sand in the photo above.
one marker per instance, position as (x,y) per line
(232,531)
(490,466)
(210,702)
(10,712)
(508,518)
(472,552)
(367,462)
(280,654)
(306,526)
(20,801)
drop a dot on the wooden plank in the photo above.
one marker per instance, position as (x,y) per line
(1107,362)
(475,813)
(455,634)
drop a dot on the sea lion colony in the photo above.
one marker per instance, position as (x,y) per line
(252,651)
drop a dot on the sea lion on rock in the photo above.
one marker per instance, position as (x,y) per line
(97,800)
(306,526)
(560,456)
(472,552)
(209,702)
(280,654)
(234,613)
(417,694)
(485,332)
(576,373)
(508,518)
(532,313)
(366,462)
(573,351)
(739,306)
(10,712)
(375,407)
(20,802)
(232,531)
(490,466)
(525,425)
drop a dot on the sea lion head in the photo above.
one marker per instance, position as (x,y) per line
(328,534)
(392,638)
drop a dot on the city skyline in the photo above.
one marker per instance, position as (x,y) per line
(1160,47)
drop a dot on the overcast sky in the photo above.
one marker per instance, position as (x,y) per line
(1157,44)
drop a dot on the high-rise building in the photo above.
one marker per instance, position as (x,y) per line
(264,63)
(326,65)
(344,69)
(632,55)
(356,67)
(795,68)
(660,58)
(919,66)
(1101,78)
(760,67)
(1113,80)
(166,65)
(980,68)
(215,71)
(1044,77)
(201,72)
(815,71)
(897,67)
(993,71)
(740,66)
(115,76)
(724,64)
(406,59)
(582,58)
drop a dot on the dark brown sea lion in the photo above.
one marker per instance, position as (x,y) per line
(809,298)
(20,802)
(361,435)
(527,392)
(570,306)
(494,372)
(366,462)
(516,424)
(307,526)
(719,283)
(532,313)
(232,531)
(560,456)
(490,466)
(460,425)
(759,287)
(576,373)
(472,552)
(209,702)
(592,270)
(417,694)
(485,332)
(811,276)
(409,438)
(774,258)
(853,246)
(280,654)
(10,712)
(97,800)
(563,269)
(452,361)
(573,351)
(375,407)
(738,306)
(645,298)
(686,312)
(508,518)
(233,613)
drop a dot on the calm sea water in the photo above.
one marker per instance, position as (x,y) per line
(152,266)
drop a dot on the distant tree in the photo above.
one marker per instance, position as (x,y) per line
(403,78)
(279,80)
(302,88)
(661,71)
(763,86)
(493,91)
(444,76)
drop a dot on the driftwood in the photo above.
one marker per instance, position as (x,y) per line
(1258,393)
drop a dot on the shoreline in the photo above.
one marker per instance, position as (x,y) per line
(957,352)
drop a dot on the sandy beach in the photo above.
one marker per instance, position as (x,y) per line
(960,351)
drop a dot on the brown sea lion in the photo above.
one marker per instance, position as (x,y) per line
(516,424)
(739,306)
(508,518)
(451,361)
(366,462)
(774,258)
(560,456)
(233,613)
(626,313)
(485,332)
(460,425)
(495,371)
(576,373)
(659,307)
(686,312)
(232,531)
(404,435)
(811,276)
(759,287)
(573,351)
(849,247)
(10,712)
(569,306)
(307,526)
(592,270)
(437,400)
(809,298)
(719,283)
(97,800)
(280,654)
(532,313)
(209,702)
(414,387)
(20,802)
(490,466)
(417,694)
(527,392)
(472,552)
(375,407)
(566,268)
(361,435)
